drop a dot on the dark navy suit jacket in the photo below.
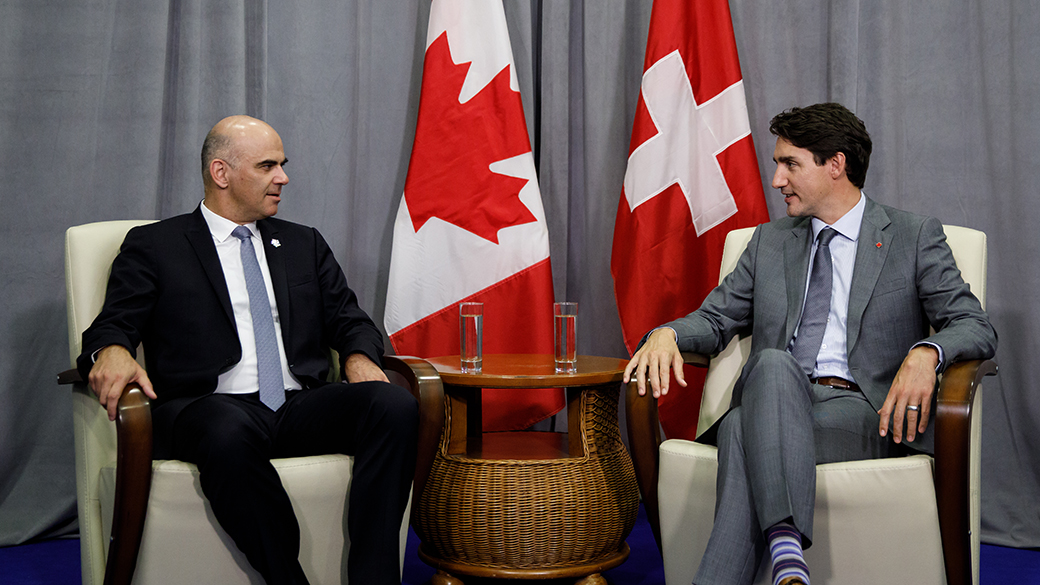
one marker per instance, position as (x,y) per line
(167,291)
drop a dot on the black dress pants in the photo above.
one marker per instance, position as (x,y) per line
(232,439)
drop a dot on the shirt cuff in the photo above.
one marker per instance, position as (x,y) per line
(942,358)
(93,356)
(674,334)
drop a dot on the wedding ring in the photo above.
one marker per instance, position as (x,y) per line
(913,408)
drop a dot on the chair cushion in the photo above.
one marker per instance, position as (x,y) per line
(876,521)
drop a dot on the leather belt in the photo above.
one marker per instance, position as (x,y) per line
(835,382)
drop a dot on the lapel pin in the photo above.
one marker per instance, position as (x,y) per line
(277,244)
(878,244)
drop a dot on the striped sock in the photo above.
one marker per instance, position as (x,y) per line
(785,548)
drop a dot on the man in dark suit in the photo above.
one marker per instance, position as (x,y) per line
(836,370)
(227,300)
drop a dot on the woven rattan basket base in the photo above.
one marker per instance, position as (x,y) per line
(530,515)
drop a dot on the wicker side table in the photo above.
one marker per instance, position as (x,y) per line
(529,505)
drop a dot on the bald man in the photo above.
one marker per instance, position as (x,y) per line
(190,290)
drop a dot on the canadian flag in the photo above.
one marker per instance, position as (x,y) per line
(692,177)
(471,226)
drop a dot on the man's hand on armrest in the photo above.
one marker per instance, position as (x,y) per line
(112,371)
(913,387)
(358,368)
(652,361)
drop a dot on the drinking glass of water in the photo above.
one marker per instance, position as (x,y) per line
(565,318)
(471,336)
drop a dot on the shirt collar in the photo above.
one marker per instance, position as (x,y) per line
(848,225)
(221,227)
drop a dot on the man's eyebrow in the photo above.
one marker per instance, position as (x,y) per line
(272,161)
(784,159)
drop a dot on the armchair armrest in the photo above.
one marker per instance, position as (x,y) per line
(133,483)
(425,384)
(644,441)
(952,463)
(133,477)
(69,377)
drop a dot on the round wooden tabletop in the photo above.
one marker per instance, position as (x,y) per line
(529,371)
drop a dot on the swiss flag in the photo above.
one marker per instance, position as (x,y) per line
(692,177)
(471,225)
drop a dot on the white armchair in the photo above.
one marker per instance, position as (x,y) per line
(162,528)
(904,520)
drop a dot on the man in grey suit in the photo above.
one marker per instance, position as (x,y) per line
(839,297)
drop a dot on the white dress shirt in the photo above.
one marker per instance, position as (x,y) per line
(242,378)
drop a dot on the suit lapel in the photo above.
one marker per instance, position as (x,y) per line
(871,251)
(201,241)
(796,257)
(276,265)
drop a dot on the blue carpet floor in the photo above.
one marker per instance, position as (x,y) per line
(56,562)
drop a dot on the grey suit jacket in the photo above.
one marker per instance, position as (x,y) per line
(904,281)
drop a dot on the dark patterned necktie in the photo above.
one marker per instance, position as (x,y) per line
(817,305)
(268,364)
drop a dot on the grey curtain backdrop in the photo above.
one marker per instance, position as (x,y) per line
(103,107)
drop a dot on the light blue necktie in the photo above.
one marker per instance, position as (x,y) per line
(817,306)
(268,364)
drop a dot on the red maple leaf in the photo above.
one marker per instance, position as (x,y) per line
(448,176)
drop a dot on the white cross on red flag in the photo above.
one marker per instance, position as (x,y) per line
(471,226)
(692,177)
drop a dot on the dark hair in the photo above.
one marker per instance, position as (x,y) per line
(825,130)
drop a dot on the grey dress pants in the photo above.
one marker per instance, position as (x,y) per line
(769,446)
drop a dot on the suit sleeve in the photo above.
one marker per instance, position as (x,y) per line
(963,329)
(349,328)
(726,311)
(129,300)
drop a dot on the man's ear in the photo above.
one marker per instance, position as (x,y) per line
(836,165)
(218,170)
